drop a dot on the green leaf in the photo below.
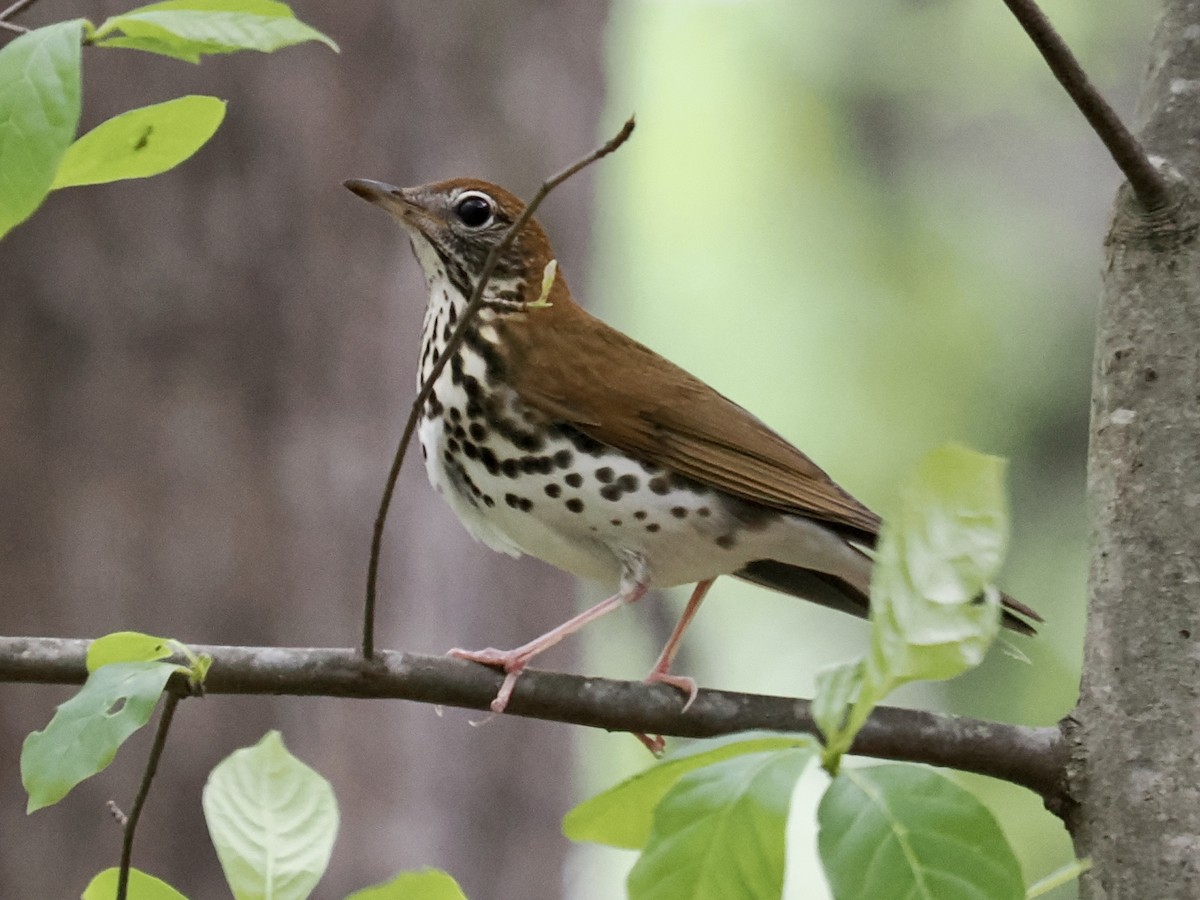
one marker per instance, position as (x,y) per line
(188,29)
(141,887)
(141,142)
(426,884)
(126,646)
(934,612)
(86,731)
(39,111)
(623,815)
(932,607)
(836,687)
(272,819)
(719,833)
(902,832)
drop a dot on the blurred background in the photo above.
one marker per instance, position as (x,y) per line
(877,224)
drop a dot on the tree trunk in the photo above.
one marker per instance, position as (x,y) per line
(204,375)
(1137,767)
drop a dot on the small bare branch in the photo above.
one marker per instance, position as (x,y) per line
(156,749)
(1147,182)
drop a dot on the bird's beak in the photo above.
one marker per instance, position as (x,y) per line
(407,205)
(383,195)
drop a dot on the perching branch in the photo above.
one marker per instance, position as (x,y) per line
(1147,182)
(456,340)
(1031,757)
(160,741)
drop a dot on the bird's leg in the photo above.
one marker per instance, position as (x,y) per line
(633,588)
(661,671)
(662,668)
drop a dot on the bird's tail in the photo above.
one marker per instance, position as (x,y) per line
(837,593)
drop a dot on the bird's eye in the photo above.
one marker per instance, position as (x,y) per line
(474,210)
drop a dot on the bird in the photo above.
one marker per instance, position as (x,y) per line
(554,435)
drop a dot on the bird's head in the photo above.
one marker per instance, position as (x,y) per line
(453,226)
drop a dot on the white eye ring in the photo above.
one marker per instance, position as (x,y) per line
(475,209)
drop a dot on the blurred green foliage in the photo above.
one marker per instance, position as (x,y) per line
(877,224)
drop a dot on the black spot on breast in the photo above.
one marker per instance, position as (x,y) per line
(459,432)
(478,432)
(553,490)
(563,458)
(510,467)
(470,450)
(574,479)
(456,368)
(471,388)
(704,512)
(640,514)
(488,501)
(488,458)
(725,541)
(455,414)
(605,474)
(582,442)
(653,527)
(433,406)
(575,505)
(474,410)
(659,484)
(648,467)
(529,441)
(610,492)
(452,445)
(614,521)
(627,483)
(679,511)
(452,313)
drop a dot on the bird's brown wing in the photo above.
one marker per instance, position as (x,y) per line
(574,368)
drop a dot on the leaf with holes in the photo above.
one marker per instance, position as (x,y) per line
(188,29)
(623,815)
(141,887)
(272,819)
(908,833)
(39,112)
(719,833)
(426,884)
(86,731)
(141,142)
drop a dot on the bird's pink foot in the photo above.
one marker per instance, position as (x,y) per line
(680,682)
(654,743)
(512,662)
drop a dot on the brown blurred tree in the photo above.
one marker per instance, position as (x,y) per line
(202,378)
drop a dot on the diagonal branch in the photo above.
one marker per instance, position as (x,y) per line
(1147,182)
(456,340)
(1034,758)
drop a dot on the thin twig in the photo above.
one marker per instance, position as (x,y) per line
(1032,757)
(16,9)
(456,340)
(160,741)
(1147,182)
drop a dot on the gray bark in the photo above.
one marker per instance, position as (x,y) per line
(202,379)
(1136,771)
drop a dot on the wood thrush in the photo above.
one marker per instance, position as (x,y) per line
(552,434)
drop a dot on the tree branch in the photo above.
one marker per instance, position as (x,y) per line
(1031,757)
(1147,182)
(160,741)
(456,341)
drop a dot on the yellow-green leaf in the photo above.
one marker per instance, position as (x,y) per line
(141,142)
